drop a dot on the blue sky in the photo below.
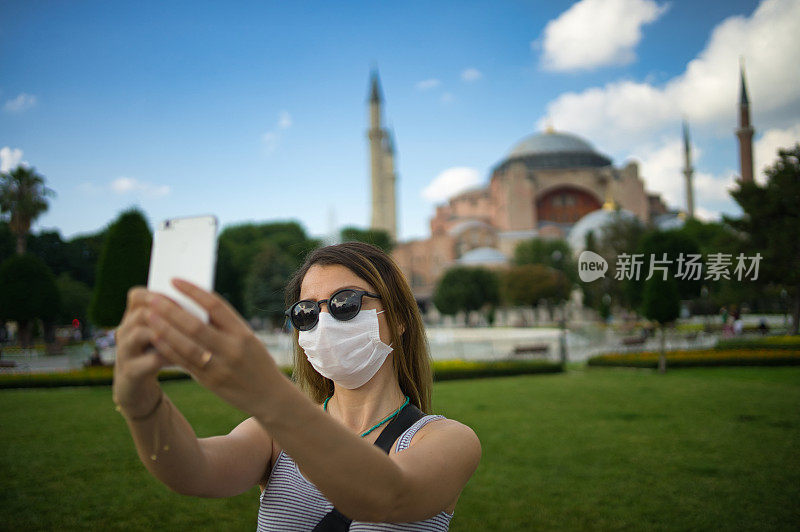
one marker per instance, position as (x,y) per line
(257,111)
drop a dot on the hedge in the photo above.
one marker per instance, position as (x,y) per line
(442,370)
(766,342)
(98,376)
(701,358)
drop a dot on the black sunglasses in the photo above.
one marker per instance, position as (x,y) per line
(343,305)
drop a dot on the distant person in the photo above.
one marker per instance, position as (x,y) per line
(94,360)
(363,375)
(727,328)
(738,326)
(763,328)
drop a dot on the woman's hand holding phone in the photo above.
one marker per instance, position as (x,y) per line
(135,387)
(223,355)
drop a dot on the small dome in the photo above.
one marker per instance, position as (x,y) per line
(594,221)
(482,256)
(668,221)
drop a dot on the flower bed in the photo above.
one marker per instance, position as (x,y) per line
(702,357)
(442,370)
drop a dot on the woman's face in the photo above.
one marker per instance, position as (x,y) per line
(320,282)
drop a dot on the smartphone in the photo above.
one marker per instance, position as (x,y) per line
(184,248)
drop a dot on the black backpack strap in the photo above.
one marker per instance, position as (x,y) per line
(335,521)
(409,415)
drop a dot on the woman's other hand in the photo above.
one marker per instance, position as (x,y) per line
(224,355)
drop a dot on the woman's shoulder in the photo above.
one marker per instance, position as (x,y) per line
(441,426)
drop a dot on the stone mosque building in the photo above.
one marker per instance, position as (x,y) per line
(551,184)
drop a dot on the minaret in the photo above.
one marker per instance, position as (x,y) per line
(745,133)
(381,165)
(688,171)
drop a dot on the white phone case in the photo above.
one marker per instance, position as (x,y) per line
(185,248)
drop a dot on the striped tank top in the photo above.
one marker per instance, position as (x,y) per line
(292,503)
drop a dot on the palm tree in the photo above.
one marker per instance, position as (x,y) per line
(24,196)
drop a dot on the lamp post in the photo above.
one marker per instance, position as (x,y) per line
(556,257)
(784,297)
(704,295)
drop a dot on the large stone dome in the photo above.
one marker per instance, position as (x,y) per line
(556,150)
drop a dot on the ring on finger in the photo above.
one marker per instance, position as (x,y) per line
(205,358)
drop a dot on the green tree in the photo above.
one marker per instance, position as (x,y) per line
(123,264)
(23,197)
(265,284)
(376,237)
(238,246)
(661,303)
(529,284)
(28,293)
(75,299)
(716,237)
(771,220)
(83,253)
(619,235)
(7,241)
(554,253)
(465,289)
(658,244)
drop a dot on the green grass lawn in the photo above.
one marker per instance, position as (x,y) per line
(594,448)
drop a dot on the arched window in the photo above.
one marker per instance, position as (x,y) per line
(565,205)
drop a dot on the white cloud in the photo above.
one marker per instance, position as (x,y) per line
(22,102)
(427,84)
(706,215)
(710,190)
(128,185)
(595,33)
(270,141)
(447,97)
(765,151)
(90,188)
(662,170)
(450,182)
(624,112)
(10,158)
(284,120)
(471,74)
(271,138)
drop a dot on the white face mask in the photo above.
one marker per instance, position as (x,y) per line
(347,352)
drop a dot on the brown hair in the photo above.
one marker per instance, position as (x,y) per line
(410,356)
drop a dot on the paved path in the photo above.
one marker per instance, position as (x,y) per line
(485,343)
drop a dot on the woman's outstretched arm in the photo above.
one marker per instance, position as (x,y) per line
(219,466)
(358,478)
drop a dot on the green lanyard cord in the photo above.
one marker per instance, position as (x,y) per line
(391,416)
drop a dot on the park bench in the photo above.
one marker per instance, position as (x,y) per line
(633,340)
(8,364)
(533,349)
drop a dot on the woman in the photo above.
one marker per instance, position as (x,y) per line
(361,363)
